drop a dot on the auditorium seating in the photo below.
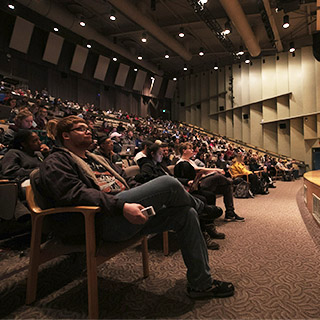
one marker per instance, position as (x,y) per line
(94,255)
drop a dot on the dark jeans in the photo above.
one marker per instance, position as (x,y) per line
(219,184)
(175,210)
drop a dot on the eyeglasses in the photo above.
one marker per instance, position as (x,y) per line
(81,129)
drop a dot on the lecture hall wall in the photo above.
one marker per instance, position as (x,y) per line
(276,102)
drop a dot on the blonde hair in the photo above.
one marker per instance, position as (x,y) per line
(51,128)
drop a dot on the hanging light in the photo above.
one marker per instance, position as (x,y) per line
(89,45)
(112,16)
(181,32)
(140,57)
(240,52)
(247,60)
(201,52)
(174,79)
(82,23)
(286,23)
(55,29)
(135,69)
(215,66)
(166,55)
(185,68)
(292,47)
(144,37)
(115,59)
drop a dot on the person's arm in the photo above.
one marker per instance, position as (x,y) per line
(11,166)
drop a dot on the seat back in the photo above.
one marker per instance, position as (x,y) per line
(8,199)
(132,171)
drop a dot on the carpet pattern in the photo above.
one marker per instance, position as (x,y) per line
(272,259)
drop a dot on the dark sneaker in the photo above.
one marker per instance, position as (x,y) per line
(210,243)
(271,185)
(211,212)
(213,233)
(238,219)
(219,289)
(233,217)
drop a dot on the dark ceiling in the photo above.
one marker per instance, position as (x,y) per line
(201,28)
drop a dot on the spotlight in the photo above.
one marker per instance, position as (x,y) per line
(247,60)
(82,23)
(89,46)
(135,69)
(286,23)
(185,68)
(144,37)
(55,29)
(201,52)
(204,1)
(181,33)
(174,79)
(166,55)
(115,59)
(215,66)
(112,16)
(292,47)
(11,5)
(139,57)
(240,52)
(227,28)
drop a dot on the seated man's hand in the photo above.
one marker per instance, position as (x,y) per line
(132,212)
(44,148)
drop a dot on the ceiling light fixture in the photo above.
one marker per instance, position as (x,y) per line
(112,16)
(135,69)
(240,52)
(144,37)
(89,46)
(201,52)
(227,28)
(215,66)
(139,57)
(185,68)
(82,23)
(115,59)
(55,29)
(166,55)
(11,5)
(181,32)
(286,23)
(247,60)
(292,47)
(174,79)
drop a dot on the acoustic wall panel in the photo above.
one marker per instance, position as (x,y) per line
(53,48)
(79,59)
(122,75)
(101,68)
(170,89)
(140,80)
(156,86)
(21,35)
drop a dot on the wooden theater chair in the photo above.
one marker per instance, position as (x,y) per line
(94,256)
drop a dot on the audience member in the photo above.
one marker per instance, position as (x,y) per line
(65,179)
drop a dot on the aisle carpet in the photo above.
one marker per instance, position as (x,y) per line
(273,260)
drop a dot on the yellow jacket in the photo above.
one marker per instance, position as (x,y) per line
(238,168)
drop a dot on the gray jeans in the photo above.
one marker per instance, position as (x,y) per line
(175,210)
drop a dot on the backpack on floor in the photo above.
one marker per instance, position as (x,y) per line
(262,187)
(242,190)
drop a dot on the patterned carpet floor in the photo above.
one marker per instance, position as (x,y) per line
(273,260)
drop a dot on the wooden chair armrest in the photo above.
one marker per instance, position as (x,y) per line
(82,209)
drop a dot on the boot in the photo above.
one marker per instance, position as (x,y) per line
(213,233)
(210,243)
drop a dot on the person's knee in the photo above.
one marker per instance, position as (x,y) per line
(169,181)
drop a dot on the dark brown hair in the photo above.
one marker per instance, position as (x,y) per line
(66,124)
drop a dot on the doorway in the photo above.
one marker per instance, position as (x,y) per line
(315,158)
